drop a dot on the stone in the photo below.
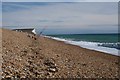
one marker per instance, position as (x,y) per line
(49,63)
(50,74)
(22,77)
(52,69)
(7,51)
(84,64)
(8,76)
(36,53)
(25,51)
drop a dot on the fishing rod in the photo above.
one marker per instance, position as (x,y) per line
(42,30)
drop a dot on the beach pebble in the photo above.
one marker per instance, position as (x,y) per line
(52,69)
(84,64)
(7,76)
(49,62)
(7,51)
(22,77)
(16,46)
(25,51)
(50,74)
(36,53)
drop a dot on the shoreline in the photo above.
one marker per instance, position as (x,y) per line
(83,47)
(27,57)
(98,52)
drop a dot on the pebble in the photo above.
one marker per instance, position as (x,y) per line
(49,63)
(50,74)
(4,48)
(84,64)
(17,46)
(52,69)
(9,66)
(7,51)
(8,76)
(25,51)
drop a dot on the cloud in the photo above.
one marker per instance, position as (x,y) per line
(43,20)
(58,21)
(63,16)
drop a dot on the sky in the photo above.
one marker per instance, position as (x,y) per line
(60,0)
(62,17)
(0,14)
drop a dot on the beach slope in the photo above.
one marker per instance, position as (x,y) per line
(28,56)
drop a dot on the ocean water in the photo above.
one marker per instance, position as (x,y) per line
(107,43)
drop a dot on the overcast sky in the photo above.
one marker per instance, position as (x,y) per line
(60,0)
(65,17)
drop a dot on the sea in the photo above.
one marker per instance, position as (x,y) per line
(107,43)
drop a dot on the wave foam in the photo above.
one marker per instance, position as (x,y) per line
(90,45)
